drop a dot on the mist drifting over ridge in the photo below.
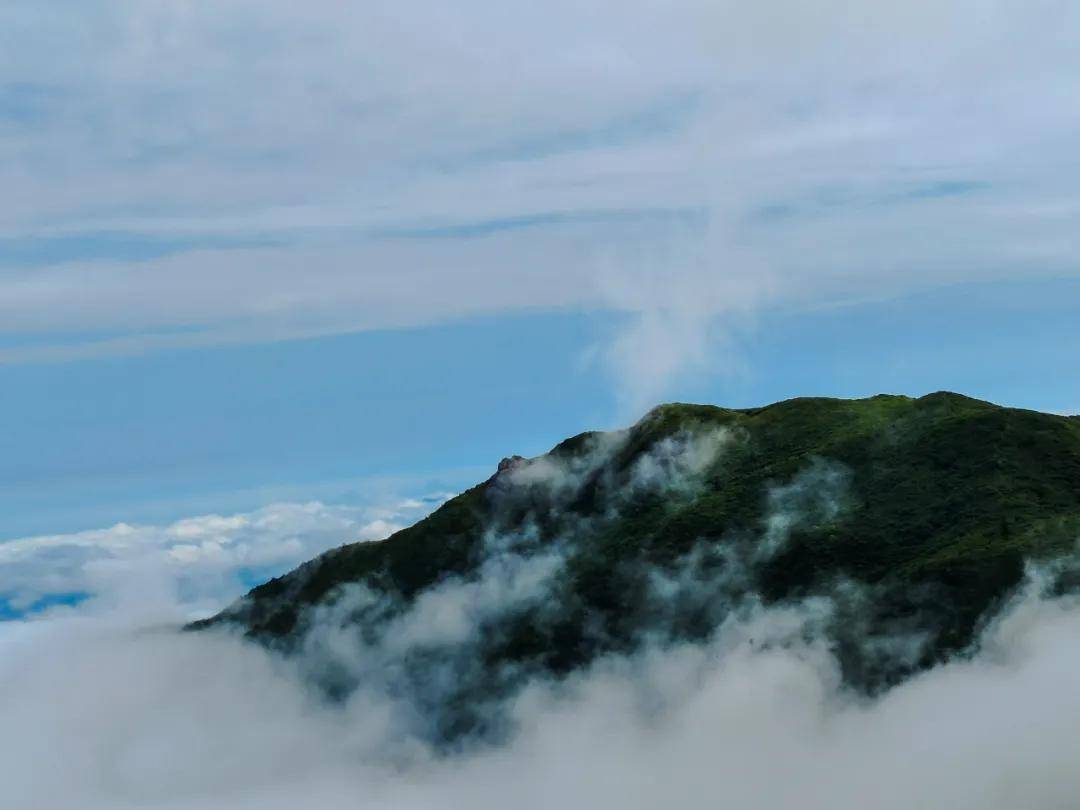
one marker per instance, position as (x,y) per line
(911,518)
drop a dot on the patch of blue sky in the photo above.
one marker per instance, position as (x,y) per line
(827,199)
(34,251)
(248,577)
(26,104)
(683,217)
(230,428)
(658,119)
(130,438)
(9,612)
(75,339)
(28,252)
(941,189)
(1008,342)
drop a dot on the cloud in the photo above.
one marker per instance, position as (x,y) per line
(683,164)
(107,714)
(198,562)
(108,705)
(814,497)
(677,463)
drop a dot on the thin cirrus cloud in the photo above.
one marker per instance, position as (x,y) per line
(261,171)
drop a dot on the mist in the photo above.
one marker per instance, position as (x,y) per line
(104,712)
(109,705)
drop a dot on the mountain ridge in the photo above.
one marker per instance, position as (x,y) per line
(913,517)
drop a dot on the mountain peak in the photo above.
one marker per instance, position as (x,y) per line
(908,516)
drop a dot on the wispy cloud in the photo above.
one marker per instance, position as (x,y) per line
(832,152)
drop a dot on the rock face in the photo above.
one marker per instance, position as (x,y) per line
(510,463)
(896,525)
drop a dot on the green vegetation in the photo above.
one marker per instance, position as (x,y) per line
(934,507)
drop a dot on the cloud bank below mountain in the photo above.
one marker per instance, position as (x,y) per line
(105,712)
(107,705)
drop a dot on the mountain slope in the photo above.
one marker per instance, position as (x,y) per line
(910,519)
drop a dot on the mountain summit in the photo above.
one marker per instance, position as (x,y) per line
(895,526)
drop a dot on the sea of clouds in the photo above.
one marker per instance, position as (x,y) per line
(106,704)
(107,711)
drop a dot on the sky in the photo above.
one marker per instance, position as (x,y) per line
(279,276)
(253,252)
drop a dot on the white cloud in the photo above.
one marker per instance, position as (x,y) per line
(815,495)
(679,461)
(101,714)
(108,706)
(200,562)
(823,153)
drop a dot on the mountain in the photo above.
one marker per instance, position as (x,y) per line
(895,527)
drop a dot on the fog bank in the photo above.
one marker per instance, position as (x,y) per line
(101,712)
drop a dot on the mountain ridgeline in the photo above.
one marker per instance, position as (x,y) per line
(895,527)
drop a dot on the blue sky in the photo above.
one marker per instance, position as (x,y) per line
(167,434)
(253,254)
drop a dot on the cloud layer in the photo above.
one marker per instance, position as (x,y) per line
(196,563)
(107,705)
(108,714)
(201,172)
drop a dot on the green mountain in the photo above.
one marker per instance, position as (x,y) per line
(907,522)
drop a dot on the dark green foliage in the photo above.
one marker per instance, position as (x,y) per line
(944,499)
